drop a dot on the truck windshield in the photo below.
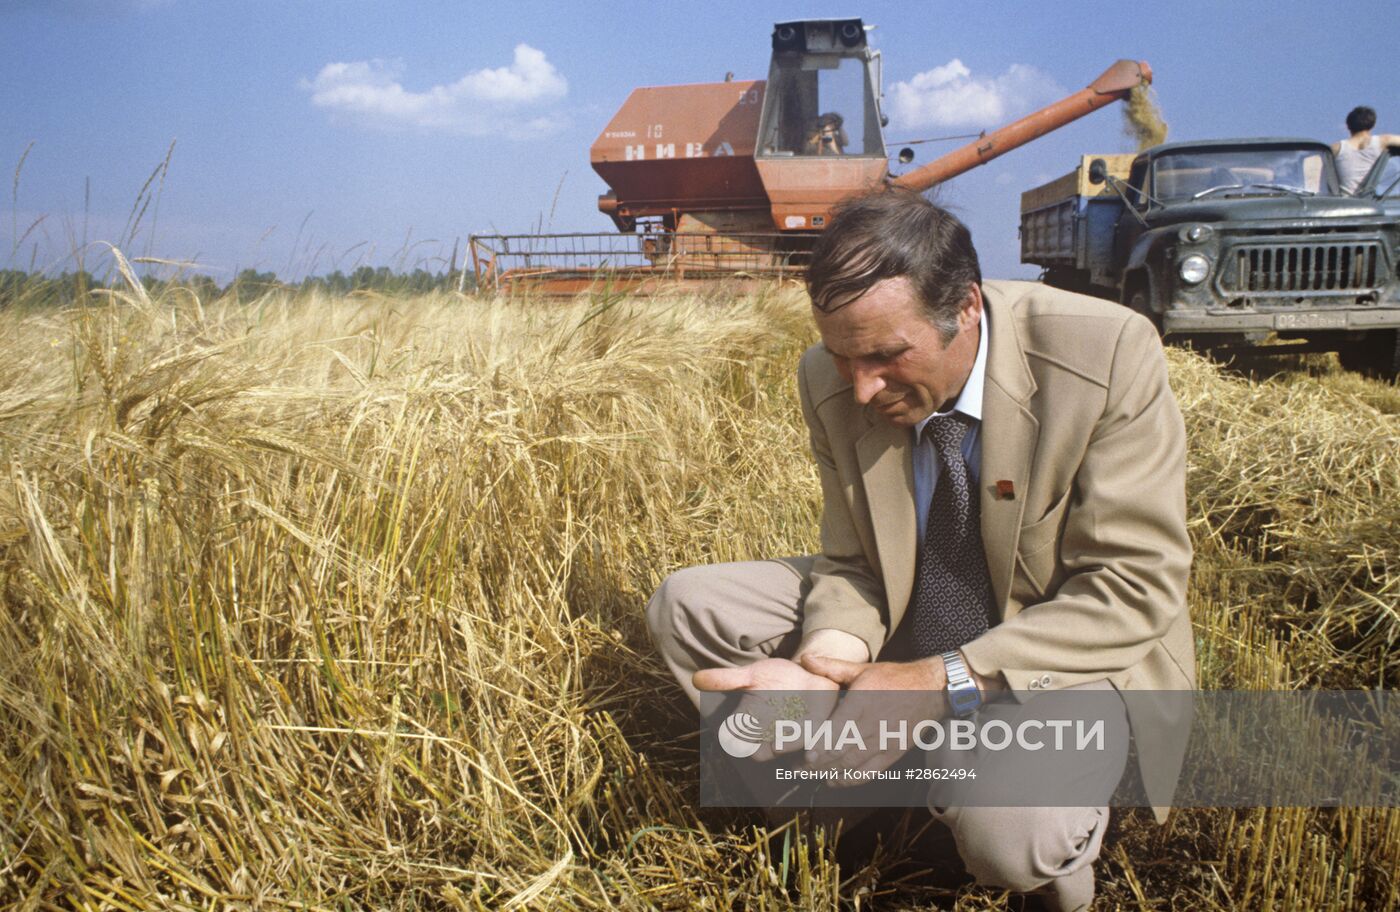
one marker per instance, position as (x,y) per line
(1195,173)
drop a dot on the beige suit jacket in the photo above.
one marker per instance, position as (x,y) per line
(1088,556)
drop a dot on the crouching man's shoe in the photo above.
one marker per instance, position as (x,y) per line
(1070,893)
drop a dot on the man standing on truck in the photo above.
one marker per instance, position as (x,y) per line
(1003,473)
(1358,152)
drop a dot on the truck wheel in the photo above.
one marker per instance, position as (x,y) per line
(1377,354)
(1138,301)
(1068,279)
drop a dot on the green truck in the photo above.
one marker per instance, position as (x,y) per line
(1230,243)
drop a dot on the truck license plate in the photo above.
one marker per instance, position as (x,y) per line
(1312,320)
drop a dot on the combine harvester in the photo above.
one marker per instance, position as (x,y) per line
(732,181)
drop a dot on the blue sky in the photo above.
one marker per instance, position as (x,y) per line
(315,134)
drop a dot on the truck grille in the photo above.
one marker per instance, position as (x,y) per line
(1288,268)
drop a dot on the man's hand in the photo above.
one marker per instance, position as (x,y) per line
(921,674)
(918,692)
(838,644)
(765,674)
(763,683)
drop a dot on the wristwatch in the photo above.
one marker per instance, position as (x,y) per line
(963,695)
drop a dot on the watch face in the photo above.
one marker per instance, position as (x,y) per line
(964,700)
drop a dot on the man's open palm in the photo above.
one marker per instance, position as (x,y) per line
(765,674)
(759,680)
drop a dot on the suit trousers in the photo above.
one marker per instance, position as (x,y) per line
(726,615)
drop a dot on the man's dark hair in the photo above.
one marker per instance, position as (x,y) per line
(889,234)
(1361,118)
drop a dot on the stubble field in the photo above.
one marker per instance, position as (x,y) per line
(337,603)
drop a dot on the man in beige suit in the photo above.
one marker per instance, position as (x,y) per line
(1072,470)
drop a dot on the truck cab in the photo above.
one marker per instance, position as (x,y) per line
(1383,183)
(1229,241)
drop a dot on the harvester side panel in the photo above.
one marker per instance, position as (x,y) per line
(683,148)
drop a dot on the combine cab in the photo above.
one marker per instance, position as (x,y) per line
(733,180)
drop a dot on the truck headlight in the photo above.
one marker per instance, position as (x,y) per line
(1194,269)
(1195,234)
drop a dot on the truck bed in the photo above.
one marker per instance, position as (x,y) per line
(1061,221)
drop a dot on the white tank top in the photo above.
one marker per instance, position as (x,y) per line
(1354,164)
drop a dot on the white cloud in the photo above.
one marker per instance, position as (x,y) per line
(951,96)
(483,102)
(530,78)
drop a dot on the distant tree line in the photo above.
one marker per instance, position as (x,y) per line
(17,286)
(68,288)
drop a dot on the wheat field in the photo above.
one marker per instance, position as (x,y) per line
(317,603)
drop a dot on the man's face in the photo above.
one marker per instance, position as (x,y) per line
(894,357)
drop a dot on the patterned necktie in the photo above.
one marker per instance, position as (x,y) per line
(952,601)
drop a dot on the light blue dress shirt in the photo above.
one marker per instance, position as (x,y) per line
(969,402)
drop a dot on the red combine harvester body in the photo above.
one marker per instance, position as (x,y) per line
(710,169)
(733,180)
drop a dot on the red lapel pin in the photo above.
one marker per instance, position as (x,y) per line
(1005,489)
